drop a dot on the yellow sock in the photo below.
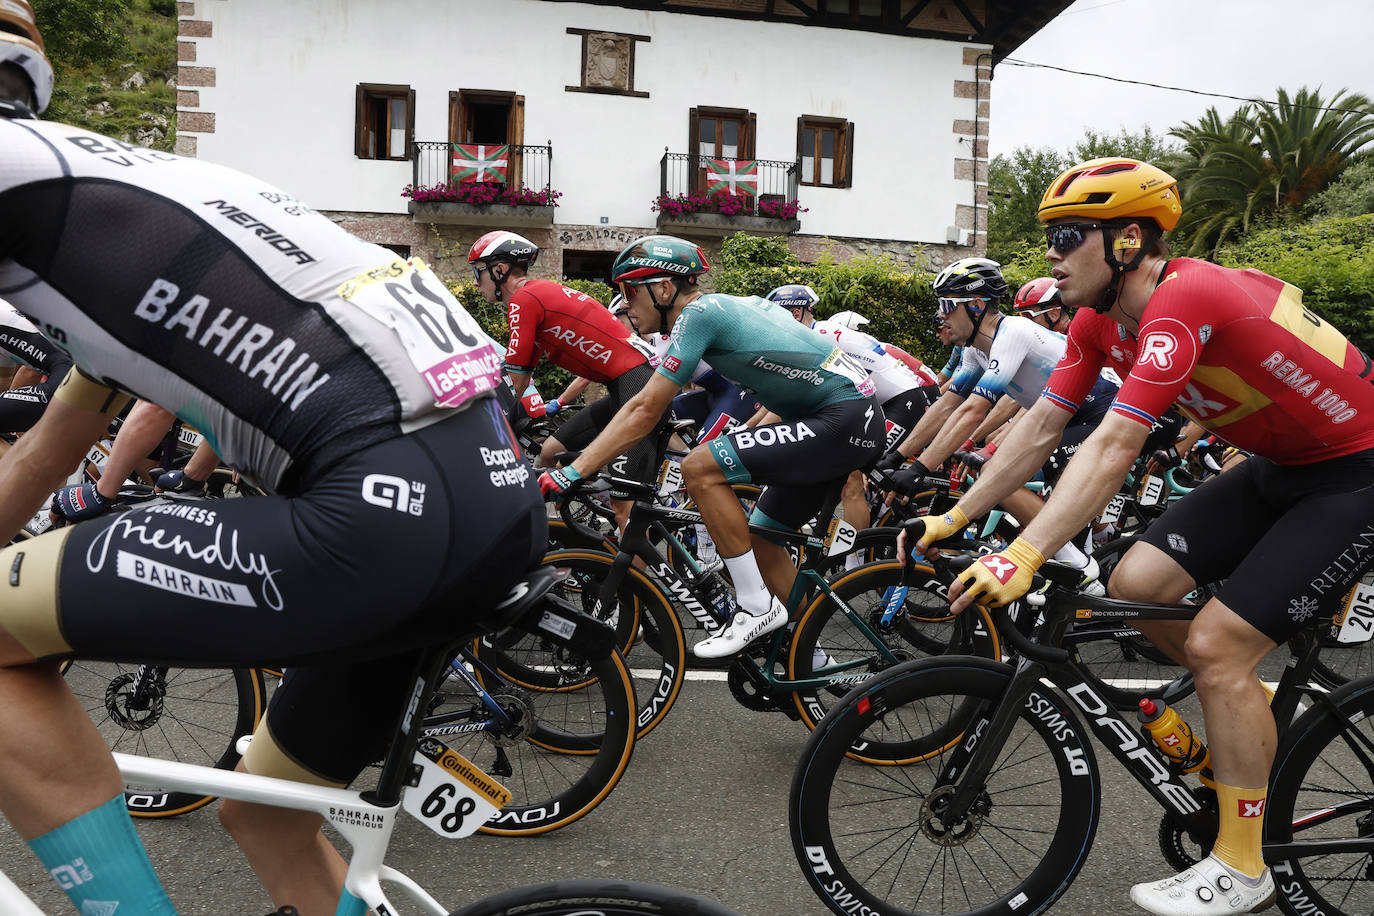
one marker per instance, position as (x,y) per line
(1242,820)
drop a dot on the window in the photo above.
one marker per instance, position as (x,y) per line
(489,117)
(719,133)
(826,149)
(385,121)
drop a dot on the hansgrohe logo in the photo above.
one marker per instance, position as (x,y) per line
(793,373)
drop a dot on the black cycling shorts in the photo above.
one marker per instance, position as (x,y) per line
(20,408)
(903,412)
(1290,541)
(396,547)
(801,460)
(642,461)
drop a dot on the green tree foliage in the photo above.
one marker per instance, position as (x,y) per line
(1352,194)
(1331,261)
(81,32)
(1147,146)
(1262,165)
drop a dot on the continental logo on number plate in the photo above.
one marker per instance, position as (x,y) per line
(1083,613)
(466,772)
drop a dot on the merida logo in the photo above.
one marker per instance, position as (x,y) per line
(793,373)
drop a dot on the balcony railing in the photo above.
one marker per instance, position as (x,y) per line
(435,163)
(756,180)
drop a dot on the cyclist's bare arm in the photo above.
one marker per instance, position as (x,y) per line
(574,390)
(1093,477)
(959,428)
(1001,412)
(519,381)
(140,433)
(761,417)
(1023,452)
(931,423)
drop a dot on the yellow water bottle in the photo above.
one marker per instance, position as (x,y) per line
(1175,737)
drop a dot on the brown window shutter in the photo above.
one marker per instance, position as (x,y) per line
(410,125)
(360,123)
(515,122)
(751,127)
(453,106)
(848,147)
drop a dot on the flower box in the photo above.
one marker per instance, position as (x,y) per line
(721,224)
(494,215)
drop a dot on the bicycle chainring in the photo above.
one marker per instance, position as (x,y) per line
(748,686)
(1180,848)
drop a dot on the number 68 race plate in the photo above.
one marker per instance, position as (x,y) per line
(454,797)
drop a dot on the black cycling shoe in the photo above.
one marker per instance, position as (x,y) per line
(285,911)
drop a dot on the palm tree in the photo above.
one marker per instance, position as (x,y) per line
(1264,162)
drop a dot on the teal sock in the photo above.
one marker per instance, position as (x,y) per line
(99,861)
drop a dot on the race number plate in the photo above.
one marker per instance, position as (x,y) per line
(189,436)
(1357,620)
(1151,491)
(669,478)
(453,356)
(100,453)
(840,537)
(1113,510)
(454,797)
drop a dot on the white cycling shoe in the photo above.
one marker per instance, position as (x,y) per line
(742,629)
(1207,889)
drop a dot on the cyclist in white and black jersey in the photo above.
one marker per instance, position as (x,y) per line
(346,381)
(1003,355)
(22,405)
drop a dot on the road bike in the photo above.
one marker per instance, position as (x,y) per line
(422,775)
(997,810)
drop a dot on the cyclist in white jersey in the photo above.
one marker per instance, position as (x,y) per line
(346,381)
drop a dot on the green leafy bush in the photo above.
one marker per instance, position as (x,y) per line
(1331,261)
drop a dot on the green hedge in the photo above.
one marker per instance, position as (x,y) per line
(1330,260)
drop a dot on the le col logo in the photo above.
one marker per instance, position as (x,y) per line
(394,493)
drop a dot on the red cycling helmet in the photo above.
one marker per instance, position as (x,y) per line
(1040,293)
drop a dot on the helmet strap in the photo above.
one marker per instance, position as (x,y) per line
(1111,244)
(500,281)
(977,319)
(663,309)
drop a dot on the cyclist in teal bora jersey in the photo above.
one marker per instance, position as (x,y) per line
(829,423)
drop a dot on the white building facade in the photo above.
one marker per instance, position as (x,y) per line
(879,138)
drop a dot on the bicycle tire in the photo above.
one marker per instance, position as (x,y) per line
(550,786)
(648,631)
(194,715)
(595,898)
(1322,790)
(839,810)
(924,628)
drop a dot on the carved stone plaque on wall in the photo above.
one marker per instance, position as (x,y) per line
(608,62)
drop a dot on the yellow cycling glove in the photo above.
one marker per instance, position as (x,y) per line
(1000,578)
(940,527)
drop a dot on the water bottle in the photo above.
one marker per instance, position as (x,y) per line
(1175,737)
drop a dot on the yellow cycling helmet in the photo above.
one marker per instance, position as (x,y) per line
(1113,188)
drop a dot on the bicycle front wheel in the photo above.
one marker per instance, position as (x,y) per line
(191,715)
(558,751)
(830,644)
(585,898)
(875,839)
(1319,820)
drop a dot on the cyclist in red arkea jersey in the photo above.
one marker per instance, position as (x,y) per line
(576,333)
(1240,355)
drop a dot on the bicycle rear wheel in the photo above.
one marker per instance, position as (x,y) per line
(563,750)
(1319,819)
(872,839)
(595,898)
(191,715)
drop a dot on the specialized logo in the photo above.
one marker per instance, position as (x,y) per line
(1000,567)
(395,493)
(72,874)
(1250,808)
(1158,349)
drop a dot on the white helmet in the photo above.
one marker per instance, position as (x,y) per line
(617,305)
(851,320)
(22,45)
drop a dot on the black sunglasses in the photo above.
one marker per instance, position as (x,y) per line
(1065,237)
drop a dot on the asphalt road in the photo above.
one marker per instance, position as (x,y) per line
(701,807)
